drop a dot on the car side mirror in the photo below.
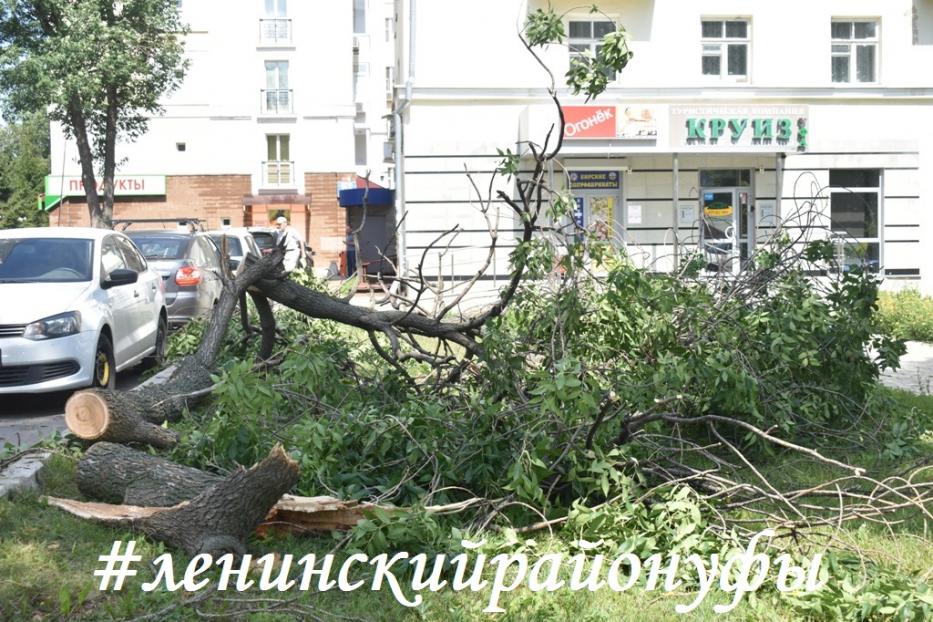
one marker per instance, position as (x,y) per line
(120,277)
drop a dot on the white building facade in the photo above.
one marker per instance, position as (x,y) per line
(284,103)
(731,117)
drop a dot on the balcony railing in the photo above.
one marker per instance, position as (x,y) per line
(275,30)
(277,173)
(275,101)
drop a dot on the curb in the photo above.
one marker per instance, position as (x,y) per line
(22,473)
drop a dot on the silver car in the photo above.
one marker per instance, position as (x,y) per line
(189,264)
(240,244)
(77,305)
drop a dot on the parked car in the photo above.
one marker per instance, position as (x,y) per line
(77,306)
(240,243)
(264,237)
(189,264)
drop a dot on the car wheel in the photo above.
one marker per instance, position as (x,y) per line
(105,372)
(158,356)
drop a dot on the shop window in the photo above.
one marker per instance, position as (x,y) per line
(854,51)
(855,200)
(726,46)
(585,38)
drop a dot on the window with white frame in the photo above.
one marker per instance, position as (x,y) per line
(726,46)
(277,96)
(278,166)
(855,214)
(585,37)
(854,50)
(275,27)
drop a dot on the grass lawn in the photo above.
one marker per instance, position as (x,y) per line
(47,561)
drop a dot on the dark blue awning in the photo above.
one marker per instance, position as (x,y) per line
(353,197)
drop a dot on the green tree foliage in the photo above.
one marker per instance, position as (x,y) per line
(100,67)
(24,161)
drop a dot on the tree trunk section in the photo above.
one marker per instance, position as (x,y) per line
(110,416)
(220,519)
(117,474)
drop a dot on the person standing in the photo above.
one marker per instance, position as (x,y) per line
(294,253)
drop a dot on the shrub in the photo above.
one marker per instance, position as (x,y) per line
(907,315)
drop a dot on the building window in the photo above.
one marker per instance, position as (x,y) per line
(278,165)
(276,97)
(855,199)
(359,148)
(359,17)
(585,38)
(855,50)
(725,48)
(275,27)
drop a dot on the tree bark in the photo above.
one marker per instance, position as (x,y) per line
(220,519)
(117,474)
(79,125)
(216,521)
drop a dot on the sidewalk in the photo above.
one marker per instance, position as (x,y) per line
(916,371)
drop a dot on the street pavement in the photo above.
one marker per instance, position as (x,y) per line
(916,371)
(27,419)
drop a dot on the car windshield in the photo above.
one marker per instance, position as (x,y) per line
(161,247)
(45,260)
(264,239)
(233,245)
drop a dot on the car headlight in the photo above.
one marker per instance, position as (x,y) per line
(59,325)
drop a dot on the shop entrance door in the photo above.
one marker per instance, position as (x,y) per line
(727,237)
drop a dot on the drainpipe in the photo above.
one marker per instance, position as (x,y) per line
(401,244)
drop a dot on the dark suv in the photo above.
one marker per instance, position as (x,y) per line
(190,266)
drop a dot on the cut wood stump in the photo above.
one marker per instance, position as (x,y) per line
(96,415)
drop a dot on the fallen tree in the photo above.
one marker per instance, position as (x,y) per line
(216,520)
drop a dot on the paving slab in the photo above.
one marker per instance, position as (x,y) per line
(22,473)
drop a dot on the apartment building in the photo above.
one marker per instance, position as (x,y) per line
(284,106)
(732,117)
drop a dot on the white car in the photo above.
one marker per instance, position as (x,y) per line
(77,305)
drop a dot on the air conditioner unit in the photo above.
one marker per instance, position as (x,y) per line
(388,151)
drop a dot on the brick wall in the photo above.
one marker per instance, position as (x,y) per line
(210,198)
(327,222)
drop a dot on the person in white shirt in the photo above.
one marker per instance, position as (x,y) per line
(294,253)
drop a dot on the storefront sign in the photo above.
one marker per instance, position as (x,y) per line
(739,128)
(594,180)
(123,185)
(589,121)
(606,122)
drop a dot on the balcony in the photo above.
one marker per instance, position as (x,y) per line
(277,174)
(275,101)
(275,31)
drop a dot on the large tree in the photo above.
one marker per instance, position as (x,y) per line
(99,67)
(24,161)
